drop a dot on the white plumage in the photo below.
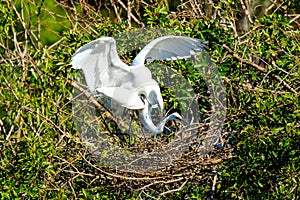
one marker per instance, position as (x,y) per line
(131,86)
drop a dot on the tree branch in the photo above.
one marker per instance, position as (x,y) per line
(261,69)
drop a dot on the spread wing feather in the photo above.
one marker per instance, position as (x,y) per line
(100,63)
(167,48)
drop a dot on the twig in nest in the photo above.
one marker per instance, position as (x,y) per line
(174,190)
(157,182)
(147,178)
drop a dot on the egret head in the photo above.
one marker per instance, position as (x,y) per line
(153,96)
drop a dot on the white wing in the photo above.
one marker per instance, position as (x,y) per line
(100,63)
(123,96)
(168,47)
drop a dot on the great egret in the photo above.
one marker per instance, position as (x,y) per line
(132,86)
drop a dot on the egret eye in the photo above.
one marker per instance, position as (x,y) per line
(143,97)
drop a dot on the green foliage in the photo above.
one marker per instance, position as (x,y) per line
(41,154)
(266,165)
(46,18)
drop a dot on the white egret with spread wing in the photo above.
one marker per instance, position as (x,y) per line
(132,86)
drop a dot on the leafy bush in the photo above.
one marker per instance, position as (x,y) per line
(41,154)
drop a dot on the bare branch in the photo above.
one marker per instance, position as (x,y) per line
(246,11)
